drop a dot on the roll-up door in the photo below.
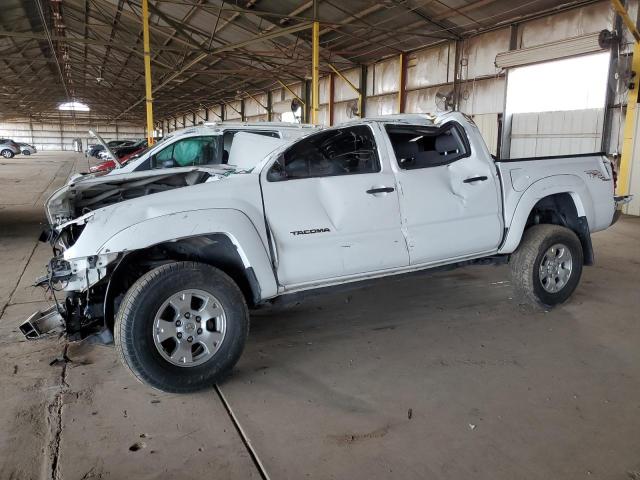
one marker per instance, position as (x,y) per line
(549,51)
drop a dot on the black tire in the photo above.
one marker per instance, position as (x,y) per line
(26,152)
(7,153)
(133,330)
(525,264)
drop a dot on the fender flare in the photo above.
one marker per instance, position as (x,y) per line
(232,223)
(570,184)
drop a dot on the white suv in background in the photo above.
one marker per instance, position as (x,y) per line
(207,144)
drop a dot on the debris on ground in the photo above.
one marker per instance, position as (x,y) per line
(63,359)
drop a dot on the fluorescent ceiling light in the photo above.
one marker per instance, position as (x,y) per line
(74,107)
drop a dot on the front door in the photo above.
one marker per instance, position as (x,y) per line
(449,194)
(332,206)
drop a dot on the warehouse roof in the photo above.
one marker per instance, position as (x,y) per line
(207,51)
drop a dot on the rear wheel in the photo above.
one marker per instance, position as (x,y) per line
(6,153)
(26,152)
(182,327)
(546,267)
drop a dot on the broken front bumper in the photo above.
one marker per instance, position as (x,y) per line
(43,322)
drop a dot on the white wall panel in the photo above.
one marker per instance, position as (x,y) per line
(324,89)
(383,77)
(423,100)
(257,118)
(252,108)
(633,208)
(572,23)
(323,115)
(556,133)
(230,113)
(381,105)
(296,88)
(429,67)
(480,52)
(487,123)
(214,113)
(340,112)
(482,96)
(342,89)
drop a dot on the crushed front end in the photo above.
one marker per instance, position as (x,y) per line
(85,278)
(77,287)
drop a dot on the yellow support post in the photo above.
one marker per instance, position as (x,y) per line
(147,70)
(619,8)
(624,170)
(315,72)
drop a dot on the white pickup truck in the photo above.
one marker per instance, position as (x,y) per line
(170,261)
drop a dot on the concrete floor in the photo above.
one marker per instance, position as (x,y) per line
(441,376)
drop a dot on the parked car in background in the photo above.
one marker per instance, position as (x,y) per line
(124,154)
(27,149)
(95,149)
(123,149)
(8,148)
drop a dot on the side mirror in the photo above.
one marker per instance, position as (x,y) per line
(277,172)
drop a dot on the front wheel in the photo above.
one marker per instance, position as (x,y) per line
(26,152)
(182,327)
(6,153)
(546,267)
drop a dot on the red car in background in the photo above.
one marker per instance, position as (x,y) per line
(124,154)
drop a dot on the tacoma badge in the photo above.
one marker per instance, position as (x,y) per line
(310,231)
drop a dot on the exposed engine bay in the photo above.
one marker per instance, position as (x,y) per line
(87,193)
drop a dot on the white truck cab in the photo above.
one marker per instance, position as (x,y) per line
(168,261)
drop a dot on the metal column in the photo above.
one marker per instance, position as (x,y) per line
(147,70)
(315,73)
(402,82)
(624,174)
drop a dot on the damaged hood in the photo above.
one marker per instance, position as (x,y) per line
(85,193)
(108,150)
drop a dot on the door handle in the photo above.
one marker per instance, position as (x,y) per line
(475,179)
(375,190)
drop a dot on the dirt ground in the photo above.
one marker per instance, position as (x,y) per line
(439,376)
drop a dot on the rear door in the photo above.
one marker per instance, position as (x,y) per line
(332,206)
(449,193)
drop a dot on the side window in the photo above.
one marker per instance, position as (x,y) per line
(424,147)
(344,151)
(188,152)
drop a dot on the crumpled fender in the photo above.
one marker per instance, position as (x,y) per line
(162,228)
(519,213)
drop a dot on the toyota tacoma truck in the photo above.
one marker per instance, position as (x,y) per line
(169,262)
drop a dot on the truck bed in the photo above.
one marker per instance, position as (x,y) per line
(586,177)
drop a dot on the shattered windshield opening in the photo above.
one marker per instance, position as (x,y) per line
(192,151)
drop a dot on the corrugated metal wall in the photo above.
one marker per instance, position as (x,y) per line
(52,135)
(480,85)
